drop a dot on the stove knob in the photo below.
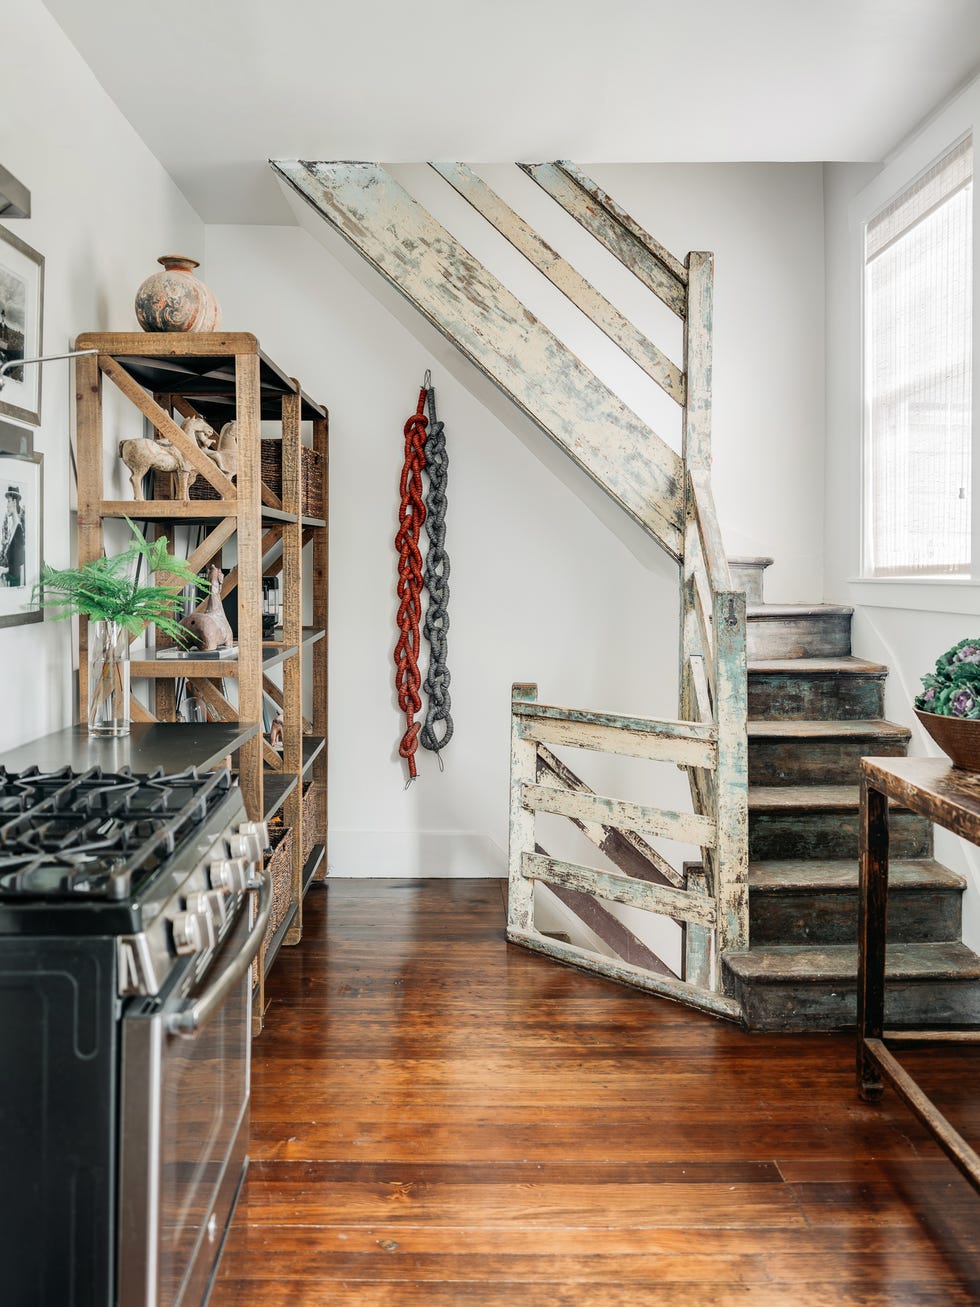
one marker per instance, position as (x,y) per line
(247,844)
(210,904)
(229,875)
(190,932)
(259,828)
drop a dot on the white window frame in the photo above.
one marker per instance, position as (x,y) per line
(953,594)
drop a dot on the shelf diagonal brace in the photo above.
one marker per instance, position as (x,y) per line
(227,712)
(212,543)
(138,713)
(168,428)
(269,541)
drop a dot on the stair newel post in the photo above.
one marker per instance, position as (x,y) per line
(695,447)
(732,815)
(523,771)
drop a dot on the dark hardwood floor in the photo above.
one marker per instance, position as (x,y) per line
(441,1118)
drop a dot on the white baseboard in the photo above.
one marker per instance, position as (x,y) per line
(459,854)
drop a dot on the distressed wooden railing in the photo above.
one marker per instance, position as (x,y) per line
(707,899)
(643,877)
(666,493)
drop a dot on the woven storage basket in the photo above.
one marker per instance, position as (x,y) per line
(201,489)
(312,834)
(310,473)
(280,864)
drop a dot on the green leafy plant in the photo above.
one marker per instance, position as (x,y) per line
(108,589)
(953,689)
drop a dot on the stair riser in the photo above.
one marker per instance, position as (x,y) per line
(817,761)
(803,1006)
(822,635)
(748,577)
(914,916)
(786,697)
(831,835)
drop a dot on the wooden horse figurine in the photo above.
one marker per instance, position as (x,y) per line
(209,628)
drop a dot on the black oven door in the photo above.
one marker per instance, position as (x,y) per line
(184,1116)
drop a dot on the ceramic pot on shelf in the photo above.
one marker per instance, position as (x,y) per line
(175,300)
(108,679)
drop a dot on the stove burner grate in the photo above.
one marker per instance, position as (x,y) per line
(94,833)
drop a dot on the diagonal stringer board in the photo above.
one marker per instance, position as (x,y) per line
(491,328)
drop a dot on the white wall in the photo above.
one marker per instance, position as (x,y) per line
(102,210)
(541,589)
(906,625)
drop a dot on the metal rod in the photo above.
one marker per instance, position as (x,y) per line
(43,358)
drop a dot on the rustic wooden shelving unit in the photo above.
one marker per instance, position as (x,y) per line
(222,376)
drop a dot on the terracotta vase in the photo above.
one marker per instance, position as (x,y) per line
(174,300)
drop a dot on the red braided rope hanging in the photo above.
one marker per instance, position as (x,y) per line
(411,515)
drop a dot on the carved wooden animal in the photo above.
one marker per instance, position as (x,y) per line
(275,731)
(209,628)
(140,456)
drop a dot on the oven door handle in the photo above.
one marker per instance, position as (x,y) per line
(194,1017)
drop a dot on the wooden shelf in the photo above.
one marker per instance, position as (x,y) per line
(312,864)
(311,634)
(150,662)
(185,510)
(278,784)
(168,378)
(164,366)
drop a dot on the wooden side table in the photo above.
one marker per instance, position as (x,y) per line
(949,797)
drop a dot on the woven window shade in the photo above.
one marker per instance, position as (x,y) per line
(918,379)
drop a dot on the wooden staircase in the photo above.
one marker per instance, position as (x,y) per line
(814,711)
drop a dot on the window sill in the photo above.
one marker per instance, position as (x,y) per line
(936,595)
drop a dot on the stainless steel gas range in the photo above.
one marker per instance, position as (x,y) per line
(126,934)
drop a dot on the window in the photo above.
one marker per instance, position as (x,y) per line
(918,375)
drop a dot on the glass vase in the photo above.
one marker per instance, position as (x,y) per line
(108,679)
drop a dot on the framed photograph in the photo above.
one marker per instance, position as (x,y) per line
(21,308)
(21,516)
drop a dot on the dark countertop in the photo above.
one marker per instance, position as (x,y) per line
(174,746)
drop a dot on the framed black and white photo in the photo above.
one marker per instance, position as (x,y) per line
(21,311)
(21,553)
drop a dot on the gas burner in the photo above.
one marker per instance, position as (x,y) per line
(93,833)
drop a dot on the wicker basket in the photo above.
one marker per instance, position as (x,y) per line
(280,864)
(201,489)
(312,835)
(311,478)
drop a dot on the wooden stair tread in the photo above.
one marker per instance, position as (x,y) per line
(829,963)
(792,876)
(843,666)
(778,612)
(873,728)
(813,798)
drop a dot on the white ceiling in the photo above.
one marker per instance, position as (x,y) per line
(216,87)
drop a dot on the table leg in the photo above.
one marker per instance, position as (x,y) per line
(872,924)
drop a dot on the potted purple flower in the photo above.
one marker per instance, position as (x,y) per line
(949,705)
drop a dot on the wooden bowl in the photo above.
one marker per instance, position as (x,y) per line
(957,736)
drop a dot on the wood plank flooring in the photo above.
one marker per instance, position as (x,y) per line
(441,1118)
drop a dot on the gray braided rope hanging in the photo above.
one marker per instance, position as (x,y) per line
(437,729)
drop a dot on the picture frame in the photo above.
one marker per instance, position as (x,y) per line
(21,536)
(21,323)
